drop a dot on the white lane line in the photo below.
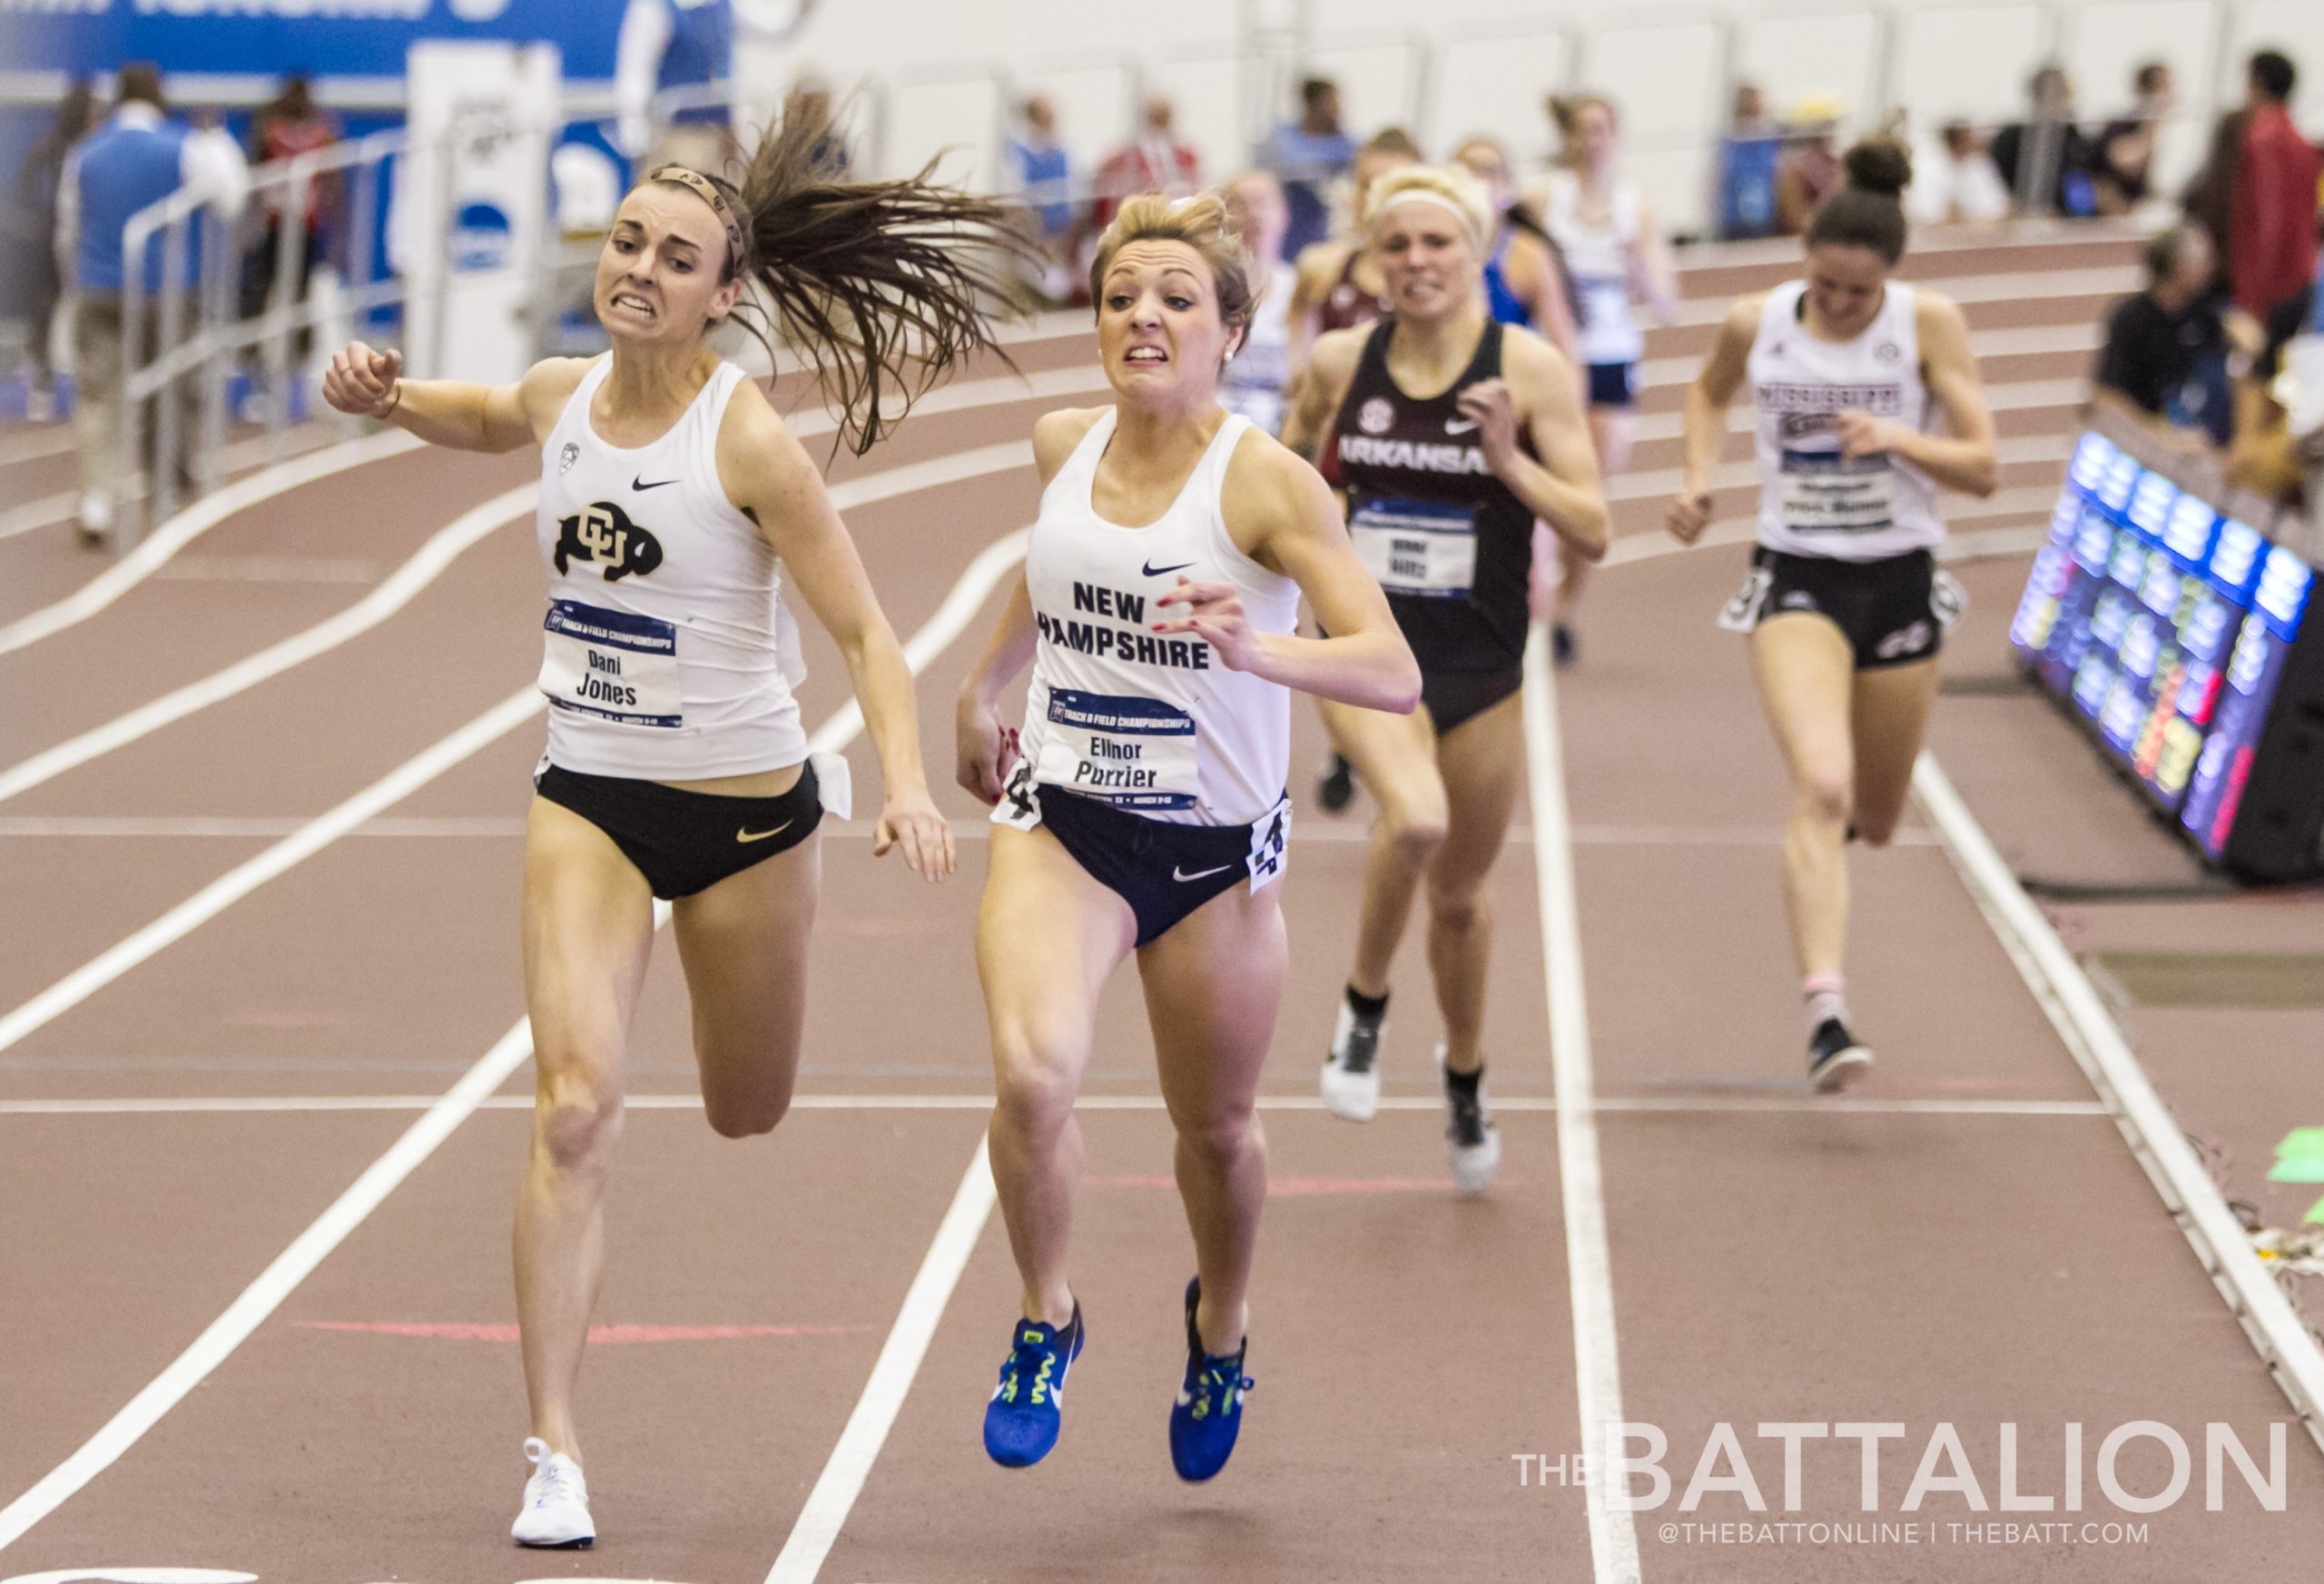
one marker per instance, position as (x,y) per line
(48,512)
(249,875)
(492,1069)
(958,467)
(32,444)
(851,1461)
(1706,1105)
(396,591)
(2274,1327)
(189,526)
(1597,1365)
(120,827)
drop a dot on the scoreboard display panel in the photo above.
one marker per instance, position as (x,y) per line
(2167,627)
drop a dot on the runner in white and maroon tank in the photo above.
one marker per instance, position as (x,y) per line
(1450,434)
(1849,370)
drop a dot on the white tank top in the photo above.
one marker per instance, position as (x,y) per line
(1253,383)
(1812,501)
(670,657)
(1150,723)
(1598,257)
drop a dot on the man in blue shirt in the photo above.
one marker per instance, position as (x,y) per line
(1307,156)
(138,157)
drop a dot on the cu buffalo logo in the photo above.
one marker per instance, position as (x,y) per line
(602,533)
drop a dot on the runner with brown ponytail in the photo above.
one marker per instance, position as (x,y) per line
(1851,371)
(672,501)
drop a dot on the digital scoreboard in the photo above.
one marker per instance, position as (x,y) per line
(2180,636)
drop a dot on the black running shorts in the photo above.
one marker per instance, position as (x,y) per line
(687,842)
(1894,611)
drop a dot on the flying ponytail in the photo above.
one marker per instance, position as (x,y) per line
(883,284)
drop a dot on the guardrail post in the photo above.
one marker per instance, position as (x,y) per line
(129,507)
(169,436)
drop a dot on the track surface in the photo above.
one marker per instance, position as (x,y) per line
(1965,1242)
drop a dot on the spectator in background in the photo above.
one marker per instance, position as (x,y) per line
(1962,186)
(1260,364)
(2271,250)
(1307,156)
(2165,357)
(809,101)
(293,124)
(1155,161)
(2267,454)
(1340,283)
(1041,170)
(138,157)
(1809,171)
(2046,161)
(2125,149)
(1526,281)
(37,185)
(1748,153)
(683,48)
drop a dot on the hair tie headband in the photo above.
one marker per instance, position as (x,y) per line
(1430,195)
(705,189)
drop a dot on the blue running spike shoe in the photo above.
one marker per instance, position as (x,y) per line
(1020,1422)
(1209,1410)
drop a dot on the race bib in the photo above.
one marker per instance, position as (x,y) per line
(1135,754)
(611,664)
(1422,548)
(1270,840)
(1823,492)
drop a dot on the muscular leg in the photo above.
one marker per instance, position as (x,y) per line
(588,926)
(1484,764)
(1047,935)
(1888,713)
(1212,986)
(1394,757)
(744,942)
(1805,674)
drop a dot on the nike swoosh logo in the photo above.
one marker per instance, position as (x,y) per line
(1200,874)
(763,835)
(1456,426)
(637,481)
(1151,570)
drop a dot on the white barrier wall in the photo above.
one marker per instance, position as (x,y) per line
(1451,68)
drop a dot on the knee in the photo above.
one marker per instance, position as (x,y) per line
(576,1125)
(1823,794)
(1033,1084)
(1414,830)
(1217,1141)
(1458,909)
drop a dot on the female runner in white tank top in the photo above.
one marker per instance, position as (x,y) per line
(1617,252)
(671,496)
(1843,605)
(1143,810)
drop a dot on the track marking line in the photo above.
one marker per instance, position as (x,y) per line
(599,1335)
(219,1339)
(1598,1377)
(1619,1105)
(849,1465)
(253,872)
(123,827)
(398,590)
(2275,1328)
(49,511)
(189,526)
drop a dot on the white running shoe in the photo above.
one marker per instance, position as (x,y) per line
(1351,1072)
(556,1514)
(1471,1141)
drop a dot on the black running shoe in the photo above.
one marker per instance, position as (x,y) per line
(1834,1059)
(1351,1082)
(1563,650)
(1337,790)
